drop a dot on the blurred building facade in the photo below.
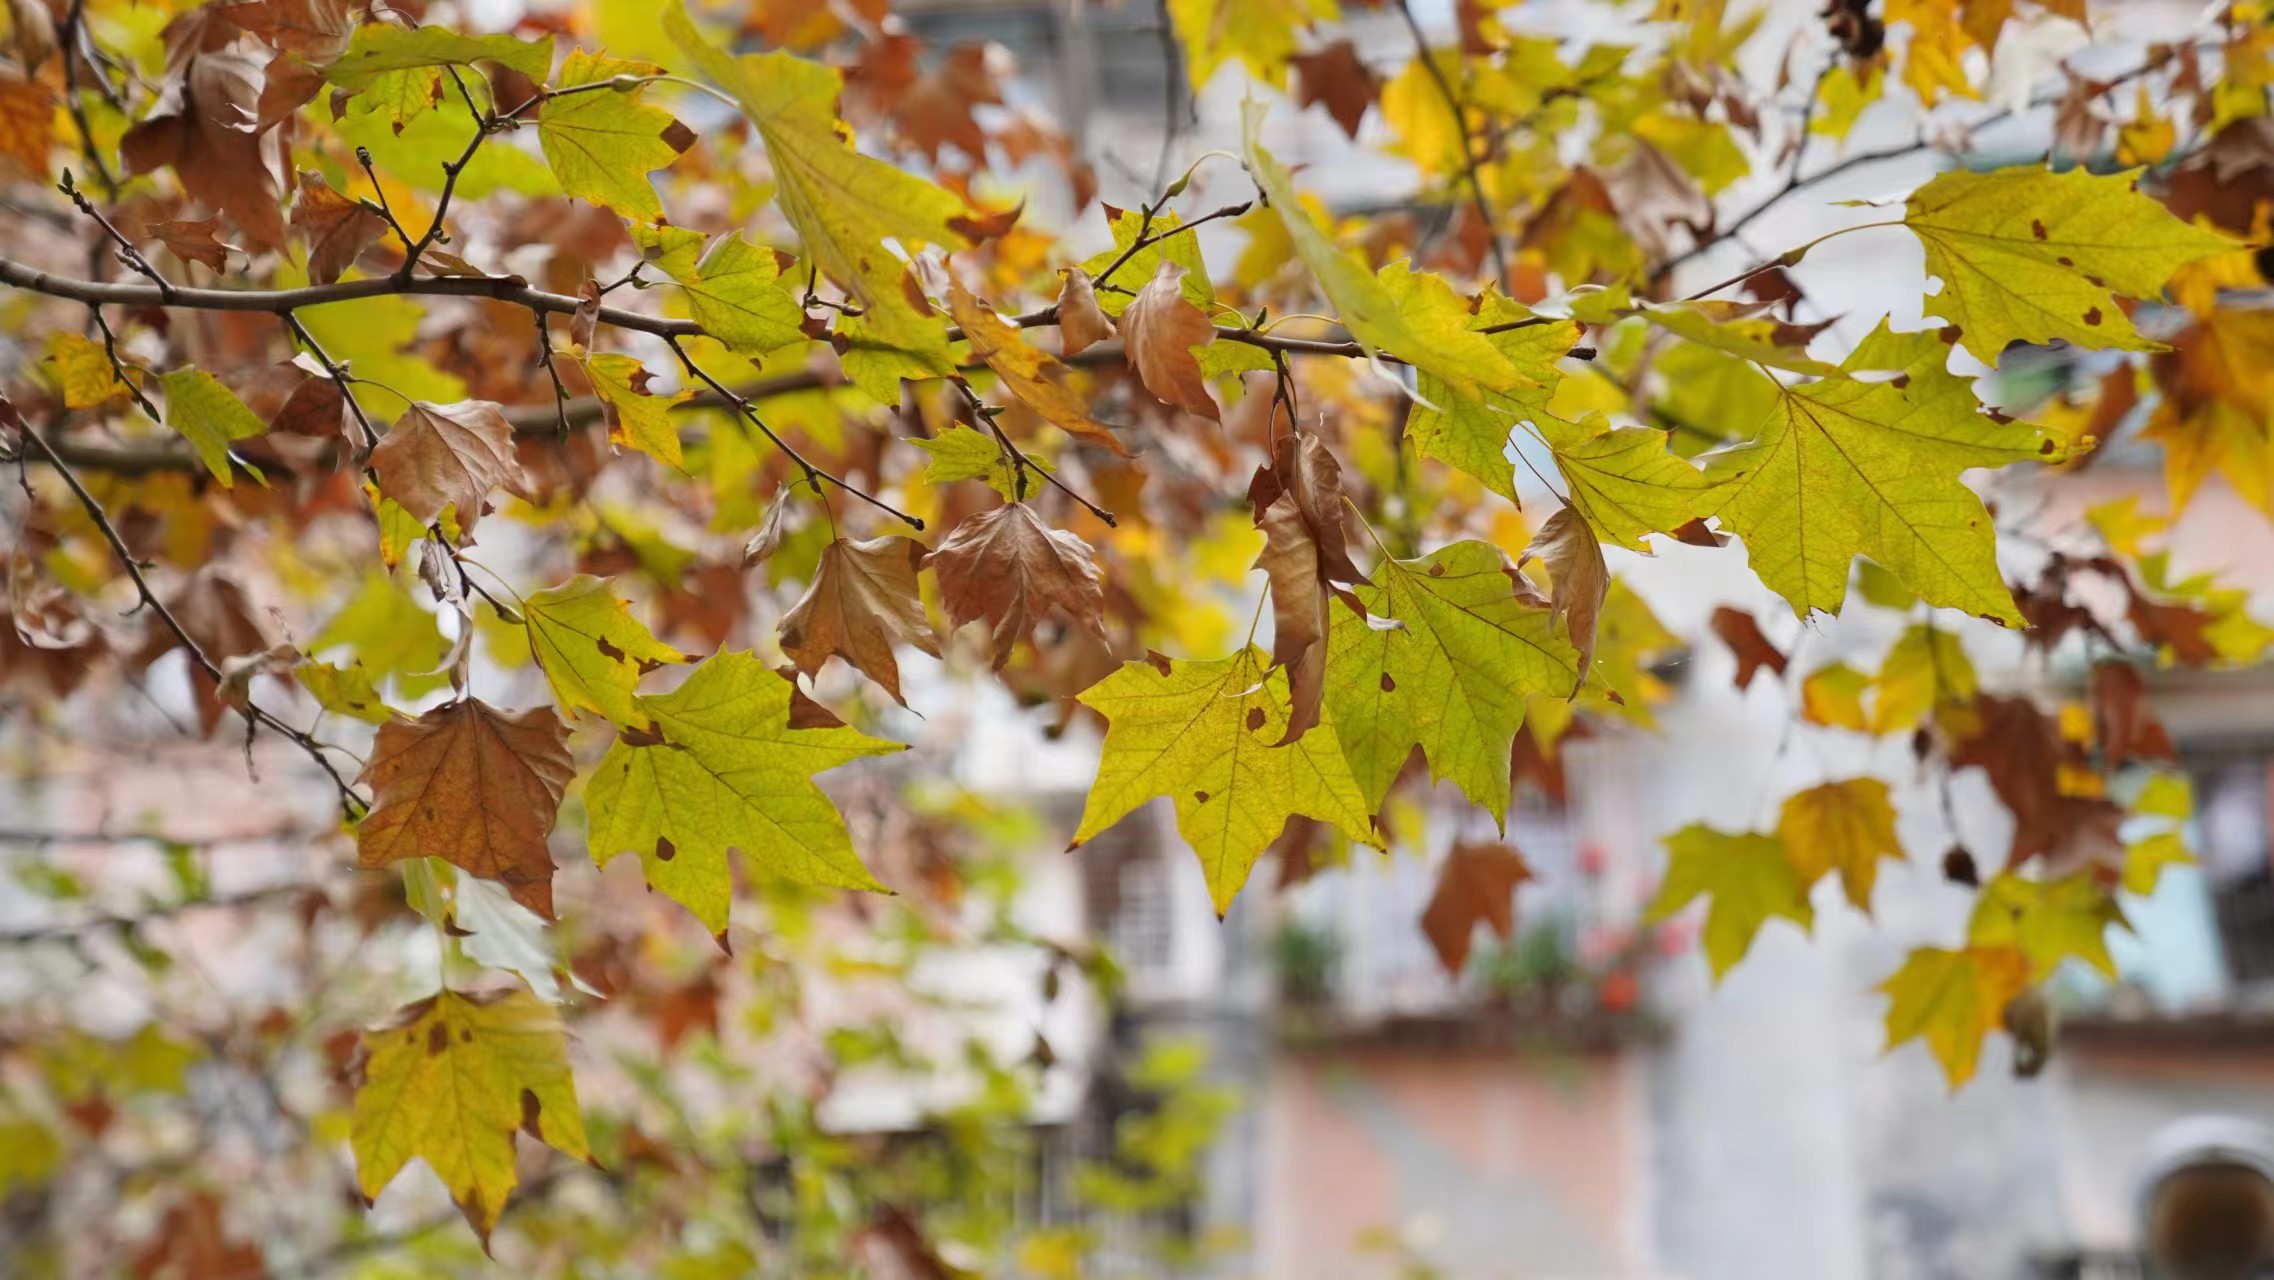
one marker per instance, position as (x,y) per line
(1578,1107)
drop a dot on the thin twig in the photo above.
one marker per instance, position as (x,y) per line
(814,475)
(350,801)
(1468,153)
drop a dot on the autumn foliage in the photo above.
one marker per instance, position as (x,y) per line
(595,437)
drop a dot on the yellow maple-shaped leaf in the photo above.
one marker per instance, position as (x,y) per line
(1833,695)
(2048,920)
(1847,466)
(1200,733)
(1454,644)
(602,143)
(450,1081)
(1953,999)
(2029,255)
(1412,315)
(592,649)
(734,288)
(1841,826)
(637,417)
(1259,34)
(716,765)
(83,370)
(1926,669)
(1750,880)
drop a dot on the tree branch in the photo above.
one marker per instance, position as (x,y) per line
(350,800)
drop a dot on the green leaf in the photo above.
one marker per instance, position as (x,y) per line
(603,143)
(2029,255)
(449,1081)
(717,767)
(1750,880)
(390,634)
(1733,331)
(592,649)
(2048,920)
(378,48)
(1456,643)
(843,204)
(735,291)
(1953,999)
(960,453)
(1200,733)
(1413,315)
(1469,429)
(344,691)
(209,416)
(1182,249)
(1845,467)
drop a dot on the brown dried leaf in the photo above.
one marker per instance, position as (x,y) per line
(316,408)
(27,123)
(200,131)
(2125,723)
(1476,884)
(1337,78)
(448,455)
(1029,373)
(2021,749)
(1742,634)
(864,599)
(1299,506)
(1159,330)
(474,786)
(1082,324)
(1009,569)
(1566,545)
(194,241)
(336,228)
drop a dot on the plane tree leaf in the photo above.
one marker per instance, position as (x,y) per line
(1847,466)
(603,143)
(1953,999)
(1750,879)
(591,648)
(474,786)
(863,600)
(718,765)
(1847,827)
(439,456)
(2027,254)
(450,1081)
(1200,733)
(1007,568)
(1452,645)
(1476,885)
(734,288)
(210,417)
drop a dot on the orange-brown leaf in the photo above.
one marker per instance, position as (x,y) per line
(1082,324)
(863,600)
(1029,373)
(1742,633)
(1566,545)
(472,785)
(1476,884)
(448,455)
(1159,330)
(27,123)
(336,228)
(1337,78)
(1007,568)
